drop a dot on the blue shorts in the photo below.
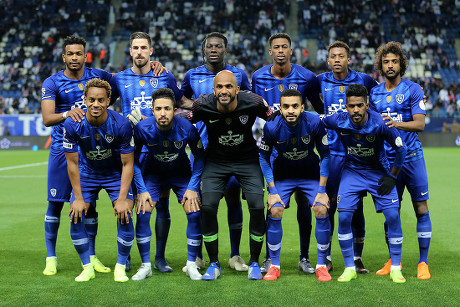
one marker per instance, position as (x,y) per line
(286,187)
(59,186)
(356,182)
(413,176)
(90,189)
(335,174)
(155,184)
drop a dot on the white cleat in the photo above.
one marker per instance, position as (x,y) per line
(237,263)
(191,270)
(199,263)
(143,272)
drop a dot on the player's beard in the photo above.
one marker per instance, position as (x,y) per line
(77,68)
(141,64)
(391,77)
(232,98)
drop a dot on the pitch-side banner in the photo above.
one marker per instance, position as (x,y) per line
(23,124)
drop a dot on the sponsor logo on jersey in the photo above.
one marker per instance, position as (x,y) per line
(178,144)
(166,157)
(67,145)
(99,154)
(81,86)
(142,102)
(293,86)
(370,137)
(388,99)
(244,119)
(360,151)
(264,147)
(109,138)
(281,87)
(154,82)
(228,120)
(305,139)
(53,192)
(165,143)
(97,136)
(342,88)
(295,155)
(142,82)
(231,139)
(399,98)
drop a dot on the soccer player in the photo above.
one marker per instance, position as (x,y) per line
(269,82)
(135,86)
(333,87)
(366,169)
(166,167)
(199,81)
(296,168)
(100,155)
(62,97)
(229,115)
(401,104)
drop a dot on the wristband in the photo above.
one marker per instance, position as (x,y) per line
(64,115)
(272,190)
(322,189)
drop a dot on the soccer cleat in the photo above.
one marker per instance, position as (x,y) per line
(273,273)
(305,266)
(192,271)
(323,274)
(329,265)
(143,272)
(98,266)
(87,273)
(266,265)
(360,267)
(199,263)
(254,272)
(128,264)
(237,263)
(119,273)
(50,267)
(347,275)
(213,272)
(397,276)
(386,268)
(422,271)
(162,266)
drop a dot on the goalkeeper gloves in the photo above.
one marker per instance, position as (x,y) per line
(386,184)
(135,117)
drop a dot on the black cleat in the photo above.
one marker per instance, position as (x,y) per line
(360,267)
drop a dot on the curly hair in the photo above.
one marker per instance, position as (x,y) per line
(74,40)
(395,48)
(96,82)
(339,44)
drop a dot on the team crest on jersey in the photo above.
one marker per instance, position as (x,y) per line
(399,98)
(165,143)
(178,144)
(244,119)
(53,192)
(342,88)
(358,136)
(228,120)
(281,87)
(370,137)
(97,136)
(141,82)
(388,99)
(81,86)
(293,140)
(109,138)
(154,82)
(293,86)
(338,198)
(305,139)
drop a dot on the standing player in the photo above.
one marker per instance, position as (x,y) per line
(229,115)
(166,167)
(366,169)
(333,87)
(199,81)
(295,168)
(62,97)
(402,106)
(100,155)
(135,86)
(269,82)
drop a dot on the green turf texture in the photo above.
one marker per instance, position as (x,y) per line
(22,253)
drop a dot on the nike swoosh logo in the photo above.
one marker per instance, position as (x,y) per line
(393,201)
(213,121)
(398,241)
(201,81)
(130,194)
(68,91)
(128,85)
(280,142)
(423,235)
(424,193)
(84,137)
(328,89)
(269,89)
(46,97)
(378,101)
(341,133)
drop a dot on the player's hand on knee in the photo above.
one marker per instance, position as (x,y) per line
(191,201)
(122,208)
(76,210)
(76,114)
(321,199)
(135,116)
(144,201)
(273,199)
(386,185)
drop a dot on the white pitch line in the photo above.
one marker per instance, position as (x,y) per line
(22,166)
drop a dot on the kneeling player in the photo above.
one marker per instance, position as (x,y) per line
(100,155)
(366,169)
(167,166)
(296,168)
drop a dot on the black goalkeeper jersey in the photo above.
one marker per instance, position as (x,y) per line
(230,134)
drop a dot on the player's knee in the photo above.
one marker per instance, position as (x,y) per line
(345,218)
(255,201)
(276,212)
(420,207)
(391,216)
(320,211)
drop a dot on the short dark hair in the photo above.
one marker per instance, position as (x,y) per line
(209,35)
(164,93)
(74,40)
(140,35)
(279,35)
(339,44)
(356,90)
(291,93)
(96,82)
(391,47)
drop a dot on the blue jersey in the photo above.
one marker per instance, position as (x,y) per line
(67,94)
(299,78)
(166,150)
(295,146)
(99,148)
(364,145)
(401,104)
(333,92)
(136,90)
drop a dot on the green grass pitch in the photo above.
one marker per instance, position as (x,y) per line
(22,253)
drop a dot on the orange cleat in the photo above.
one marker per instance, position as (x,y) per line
(386,269)
(273,273)
(323,274)
(422,271)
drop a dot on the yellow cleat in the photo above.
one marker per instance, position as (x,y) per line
(397,276)
(119,274)
(87,273)
(347,275)
(387,268)
(422,271)
(98,266)
(51,267)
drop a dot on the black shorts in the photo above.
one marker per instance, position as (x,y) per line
(217,173)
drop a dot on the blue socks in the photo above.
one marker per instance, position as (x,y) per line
(52,220)
(125,239)
(143,235)
(193,235)
(80,240)
(91,223)
(424,235)
(323,234)
(346,237)
(395,236)
(162,224)
(274,237)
